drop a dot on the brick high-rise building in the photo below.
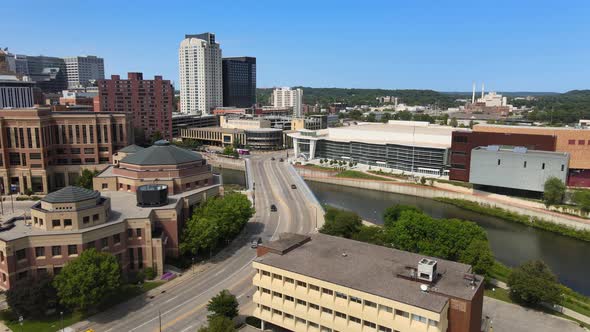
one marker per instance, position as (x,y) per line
(43,150)
(149,101)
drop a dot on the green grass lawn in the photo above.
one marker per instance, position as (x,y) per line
(53,323)
(358,175)
(498,294)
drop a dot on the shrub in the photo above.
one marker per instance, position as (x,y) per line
(149,273)
(533,283)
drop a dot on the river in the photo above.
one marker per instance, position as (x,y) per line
(511,243)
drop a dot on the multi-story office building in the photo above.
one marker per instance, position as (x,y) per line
(49,73)
(255,138)
(410,146)
(183,121)
(239,81)
(83,70)
(149,101)
(326,283)
(15,93)
(139,224)
(287,97)
(43,150)
(199,58)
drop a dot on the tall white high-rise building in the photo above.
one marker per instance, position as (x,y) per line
(199,58)
(287,97)
(83,71)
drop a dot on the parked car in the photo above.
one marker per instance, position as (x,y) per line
(255,243)
(272,158)
(281,160)
(273,208)
(293,186)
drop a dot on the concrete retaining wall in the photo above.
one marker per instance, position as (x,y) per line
(430,192)
(223,162)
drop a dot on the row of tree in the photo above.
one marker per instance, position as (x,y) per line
(555,192)
(215,223)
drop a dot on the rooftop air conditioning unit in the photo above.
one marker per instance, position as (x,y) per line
(427,269)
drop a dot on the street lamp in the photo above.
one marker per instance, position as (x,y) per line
(61,313)
(193,266)
(20,322)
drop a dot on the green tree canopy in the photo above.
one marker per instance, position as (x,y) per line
(85,178)
(32,298)
(479,255)
(219,324)
(582,199)
(341,223)
(223,304)
(533,283)
(370,234)
(392,213)
(554,191)
(216,221)
(88,280)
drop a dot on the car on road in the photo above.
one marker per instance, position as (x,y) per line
(255,243)
(272,158)
(293,186)
(281,160)
(273,208)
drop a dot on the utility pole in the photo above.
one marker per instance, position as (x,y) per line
(160,319)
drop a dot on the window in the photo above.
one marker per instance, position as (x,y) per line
(341,295)
(72,249)
(129,233)
(301,283)
(276,276)
(384,329)
(312,324)
(571,142)
(419,318)
(354,319)
(39,251)
(289,298)
(432,323)
(266,291)
(543,166)
(34,156)
(88,150)
(289,280)
(277,312)
(300,320)
(356,299)
(327,291)
(301,302)
(581,142)
(458,166)
(524,164)
(370,304)
(402,313)
(75,150)
(314,287)
(386,308)
(56,223)
(56,251)
(104,242)
(279,295)
(86,219)
(499,161)
(117,238)
(138,232)
(288,316)
(95,217)
(327,311)
(314,306)
(370,324)
(105,186)
(67,222)
(340,314)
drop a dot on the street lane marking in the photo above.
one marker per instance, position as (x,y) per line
(188,328)
(170,299)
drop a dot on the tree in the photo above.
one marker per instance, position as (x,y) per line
(582,199)
(88,280)
(392,213)
(422,180)
(223,304)
(219,324)
(230,151)
(32,298)
(479,255)
(370,234)
(554,190)
(322,161)
(156,136)
(341,223)
(454,122)
(85,179)
(533,283)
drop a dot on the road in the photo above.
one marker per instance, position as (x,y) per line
(183,307)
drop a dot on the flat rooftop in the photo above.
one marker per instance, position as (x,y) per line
(519,149)
(404,133)
(375,270)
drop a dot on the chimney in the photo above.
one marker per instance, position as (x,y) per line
(473,94)
(482,90)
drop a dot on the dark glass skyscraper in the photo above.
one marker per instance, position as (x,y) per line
(239,81)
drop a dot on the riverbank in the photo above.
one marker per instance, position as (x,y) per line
(220,161)
(433,192)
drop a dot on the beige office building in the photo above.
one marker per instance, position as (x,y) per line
(325,283)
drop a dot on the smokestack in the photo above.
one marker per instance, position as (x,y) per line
(482,90)
(473,94)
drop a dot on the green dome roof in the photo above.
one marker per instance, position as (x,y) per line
(162,153)
(71,194)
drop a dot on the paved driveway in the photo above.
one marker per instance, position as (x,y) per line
(508,317)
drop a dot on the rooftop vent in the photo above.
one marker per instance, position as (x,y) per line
(427,269)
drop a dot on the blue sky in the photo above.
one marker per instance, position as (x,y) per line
(440,45)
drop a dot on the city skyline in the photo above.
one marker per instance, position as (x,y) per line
(529,46)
